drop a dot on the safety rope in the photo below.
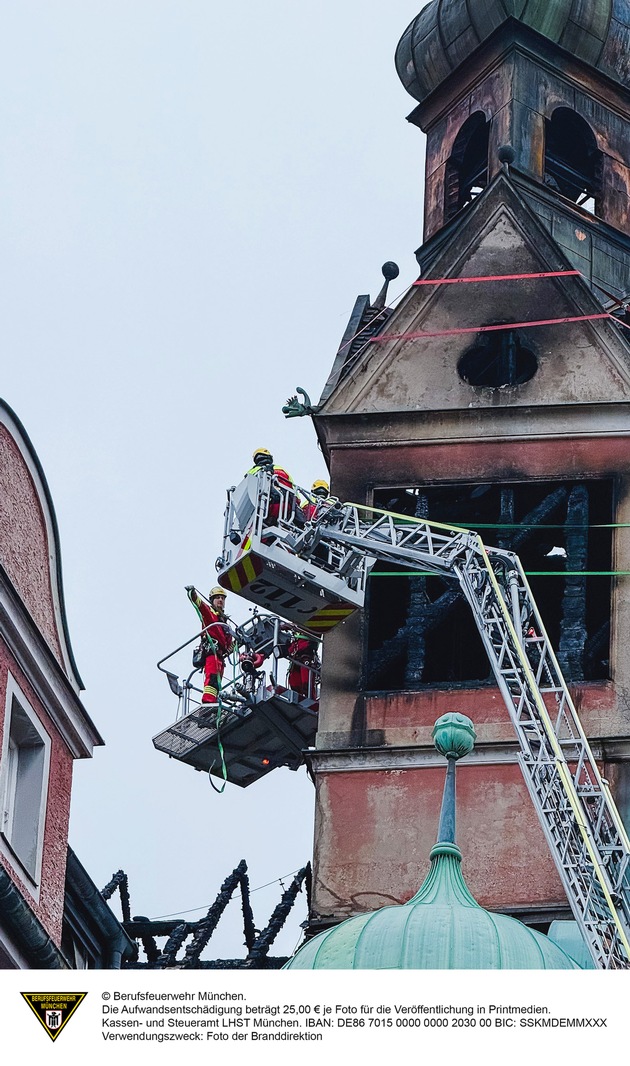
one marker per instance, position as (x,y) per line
(417,334)
(528,573)
(221,753)
(483,279)
(224,772)
(495,277)
(214,649)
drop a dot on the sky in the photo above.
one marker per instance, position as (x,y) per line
(192,196)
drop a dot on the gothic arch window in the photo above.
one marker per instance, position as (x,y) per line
(573,161)
(467,167)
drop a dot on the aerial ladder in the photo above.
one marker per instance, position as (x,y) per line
(314,573)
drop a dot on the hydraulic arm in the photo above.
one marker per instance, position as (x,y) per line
(316,571)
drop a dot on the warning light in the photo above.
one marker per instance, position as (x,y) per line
(265,762)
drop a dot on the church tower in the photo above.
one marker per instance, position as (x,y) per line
(500,403)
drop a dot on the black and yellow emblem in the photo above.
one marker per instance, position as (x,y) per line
(53,1009)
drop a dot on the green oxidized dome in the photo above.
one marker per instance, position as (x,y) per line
(442,927)
(446,32)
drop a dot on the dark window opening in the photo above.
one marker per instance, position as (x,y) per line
(420,630)
(23,791)
(573,162)
(467,167)
(499,359)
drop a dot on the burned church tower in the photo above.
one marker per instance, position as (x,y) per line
(500,404)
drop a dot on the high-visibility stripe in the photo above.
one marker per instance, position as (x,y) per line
(241,575)
(246,570)
(232,577)
(329,617)
(244,548)
(334,612)
(248,567)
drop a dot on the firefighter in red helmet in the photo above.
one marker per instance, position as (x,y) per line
(263,460)
(217,638)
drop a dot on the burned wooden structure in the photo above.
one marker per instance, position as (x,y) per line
(177,943)
(420,631)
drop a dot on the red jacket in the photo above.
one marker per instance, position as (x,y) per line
(213,624)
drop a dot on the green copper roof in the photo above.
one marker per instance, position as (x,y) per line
(441,928)
(567,935)
(446,32)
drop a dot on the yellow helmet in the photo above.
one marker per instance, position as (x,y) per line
(261,453)
(216,591)
(320,488)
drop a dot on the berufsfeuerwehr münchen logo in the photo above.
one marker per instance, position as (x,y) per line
(53,1009)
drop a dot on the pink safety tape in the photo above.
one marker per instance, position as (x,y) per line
(486,329)
(497,277)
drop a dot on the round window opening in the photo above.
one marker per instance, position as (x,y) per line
(500,359)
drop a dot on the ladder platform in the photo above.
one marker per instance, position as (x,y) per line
(258,564)
(273,732)
(306,595)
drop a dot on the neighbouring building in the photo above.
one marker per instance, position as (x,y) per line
(51,914)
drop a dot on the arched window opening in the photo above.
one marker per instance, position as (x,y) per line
(467,168)
(573,162)
(499,360)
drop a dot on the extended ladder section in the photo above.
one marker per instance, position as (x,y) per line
(338,545)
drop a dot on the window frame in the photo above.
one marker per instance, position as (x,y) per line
(19,712)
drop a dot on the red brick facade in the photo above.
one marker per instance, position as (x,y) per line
(39,696)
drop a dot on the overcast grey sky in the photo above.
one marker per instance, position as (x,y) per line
(192,197)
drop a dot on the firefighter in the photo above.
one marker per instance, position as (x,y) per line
(303,673)
(319,489)
(263,460)
(216,636)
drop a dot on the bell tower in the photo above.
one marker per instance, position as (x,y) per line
(545,86)
(495,396)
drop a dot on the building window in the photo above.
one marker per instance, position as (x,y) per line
(24,782)
(75,949)
(467,167)
(421,631)
(573,162)
(499,359)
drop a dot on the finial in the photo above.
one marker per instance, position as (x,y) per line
(454,737)
(390,271)
(506,155)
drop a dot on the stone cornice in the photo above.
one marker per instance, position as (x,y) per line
(474,424)
(346,760)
